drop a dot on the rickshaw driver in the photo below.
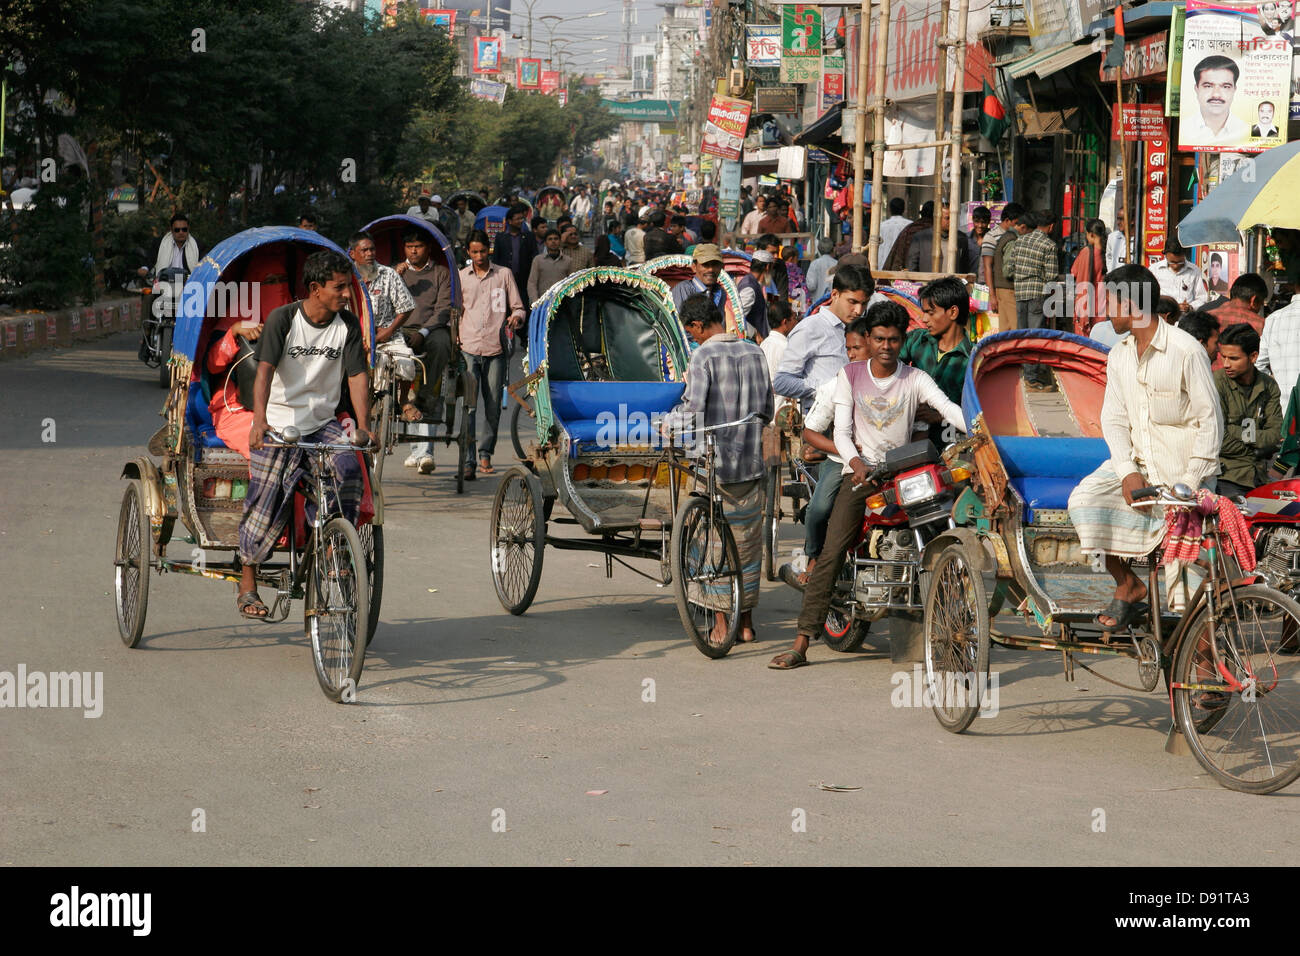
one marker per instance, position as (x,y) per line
(875,410)
(1163,425)
(305,351)
(727,381)
(706,263)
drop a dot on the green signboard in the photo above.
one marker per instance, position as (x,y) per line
(644,111)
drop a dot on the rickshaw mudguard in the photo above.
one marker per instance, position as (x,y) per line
(985,547)
(144,470)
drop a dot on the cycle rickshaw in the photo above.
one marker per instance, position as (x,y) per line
(449,419)
(336,568)
(1230,662)
(606,357)
(675,268)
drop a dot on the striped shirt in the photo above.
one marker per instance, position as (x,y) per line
(726,381)
(1161,414)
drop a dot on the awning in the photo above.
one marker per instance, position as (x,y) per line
(1046,62)
(1036,124)
(821,129)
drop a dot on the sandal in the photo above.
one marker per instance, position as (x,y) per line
(1123,613)
(787,661)
(485,466)
(249,603)
(793,578)
(468,474)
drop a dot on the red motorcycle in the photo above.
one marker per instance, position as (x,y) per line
(882,571)
(1273,513)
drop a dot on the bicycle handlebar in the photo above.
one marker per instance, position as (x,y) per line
(751,420)
(289,439)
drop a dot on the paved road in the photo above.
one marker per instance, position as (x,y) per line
(468,716)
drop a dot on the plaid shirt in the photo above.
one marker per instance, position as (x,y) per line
(389,296)
(921,350)
(1033,261)
(727,380)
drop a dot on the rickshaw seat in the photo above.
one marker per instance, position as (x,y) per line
(1045,470)
(198,416)
(579,406)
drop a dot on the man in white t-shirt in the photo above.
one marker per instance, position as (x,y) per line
(875,410)
(305,352)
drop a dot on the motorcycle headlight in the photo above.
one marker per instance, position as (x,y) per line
(915,488)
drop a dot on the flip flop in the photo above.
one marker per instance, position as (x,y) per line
(485,467)
(787,661)
(790,577)
(249,601)
(1123,612)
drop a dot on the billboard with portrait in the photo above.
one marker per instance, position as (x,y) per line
(1236,76)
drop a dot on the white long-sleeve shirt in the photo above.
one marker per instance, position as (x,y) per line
(878,414)
(1161,414)
(1279,347)
(1185,285)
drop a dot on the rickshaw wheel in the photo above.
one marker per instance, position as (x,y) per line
(706,573)
(515,412)
(372,543)
(517,539)
(165,333)
(131,565)
(956,627)
(337,612)
(771,523)
(384,435)
(1248,739)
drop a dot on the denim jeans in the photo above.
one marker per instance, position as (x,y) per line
(1029,315)
(490,371)
(818,514)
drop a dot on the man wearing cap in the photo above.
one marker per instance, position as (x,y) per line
(422,210)
(706,263)
(447,220)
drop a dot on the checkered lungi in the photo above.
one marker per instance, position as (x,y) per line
(742,506)
(273,475)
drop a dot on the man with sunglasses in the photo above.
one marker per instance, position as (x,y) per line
(178,249)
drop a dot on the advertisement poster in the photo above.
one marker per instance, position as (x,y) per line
(763,45)
(1155,198)
(488,90)
(487,54)
(832,81)
(724,129)
(801,44)
(528,74)
(729,193)
(1236,72)
(1172,95)
(1141,121)
(550,81)
(442,18)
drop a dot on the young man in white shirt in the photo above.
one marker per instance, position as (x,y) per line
(1180,280)
(1279,347)
(305,353)
(891,227)
(875,410)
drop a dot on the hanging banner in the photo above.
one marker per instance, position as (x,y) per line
(1141,121)
(487,54)
(550,81)
(528,74)
(832,85)
(729,193)
(1236,72)
(442,18)
(488,90)
(1155,197)
(763,45)
(724,130)
(801,44)
(1173,95)
(1144,58)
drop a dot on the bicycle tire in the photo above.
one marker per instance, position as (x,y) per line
(372,542)
(703,551)
(771,522)
(517,539)
(957,637)
(1232,741)
(516,411)
(336,609)
(131,565)
(384,437)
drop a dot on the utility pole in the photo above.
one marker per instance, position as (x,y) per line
(878,137)
(958,95)
(945,16)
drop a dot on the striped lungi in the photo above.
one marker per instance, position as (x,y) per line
(1106,523)
(742,506)
(273,474)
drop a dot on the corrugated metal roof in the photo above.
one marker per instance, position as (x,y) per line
(1046,62)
